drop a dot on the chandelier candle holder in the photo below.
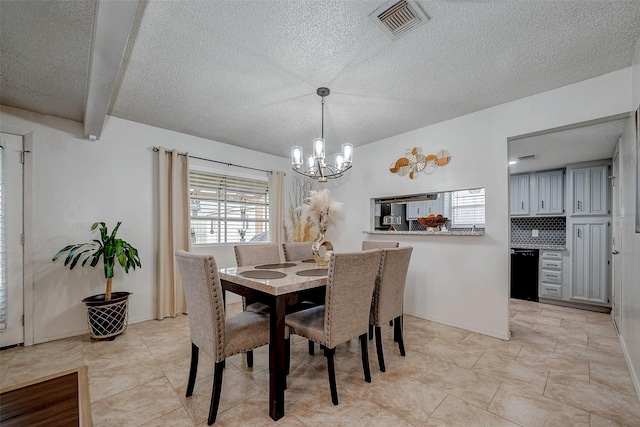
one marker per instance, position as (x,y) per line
(315,165)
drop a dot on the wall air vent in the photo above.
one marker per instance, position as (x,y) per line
(396,18)
(529,157)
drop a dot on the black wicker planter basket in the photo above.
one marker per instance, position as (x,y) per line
(107,319)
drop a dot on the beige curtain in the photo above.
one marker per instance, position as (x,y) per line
(173,229)
(276,206)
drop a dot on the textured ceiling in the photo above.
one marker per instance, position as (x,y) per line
(557,149)
(246,72)
(44,55)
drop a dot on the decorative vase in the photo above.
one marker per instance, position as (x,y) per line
(322,250)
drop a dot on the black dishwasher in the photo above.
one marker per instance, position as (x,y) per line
(524,274)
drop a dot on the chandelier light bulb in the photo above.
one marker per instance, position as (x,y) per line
(311,163)
(318,148)
(296,156)
(347,154)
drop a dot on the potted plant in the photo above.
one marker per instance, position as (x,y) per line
(108,312)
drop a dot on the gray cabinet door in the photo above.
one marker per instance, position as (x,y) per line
(598,177)
(580,201)
(550,192)
(556,192)
(589,279)
(434,207)
(414,210)
(519,196)
(425,208)
(590,191)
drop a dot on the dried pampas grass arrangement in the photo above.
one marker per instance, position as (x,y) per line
(313,215)
(322,210)
(298,226)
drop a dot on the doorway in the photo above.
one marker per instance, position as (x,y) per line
(535,158)
(11,240)
(616,242)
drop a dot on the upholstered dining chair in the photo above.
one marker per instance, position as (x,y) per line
(376,244)
(372,244)
(388,295)
(345,314)
(263,253)
(297,251)
(266,253)
(210,331)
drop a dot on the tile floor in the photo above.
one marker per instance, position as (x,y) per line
(562,367)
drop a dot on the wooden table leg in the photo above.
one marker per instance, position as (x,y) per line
(277,363)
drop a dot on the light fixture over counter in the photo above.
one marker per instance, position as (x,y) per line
(315,166)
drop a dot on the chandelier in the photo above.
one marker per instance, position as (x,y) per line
(315,166)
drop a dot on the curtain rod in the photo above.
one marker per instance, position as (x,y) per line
(156,149)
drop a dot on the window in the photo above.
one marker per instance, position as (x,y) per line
(228,209)
(467,208)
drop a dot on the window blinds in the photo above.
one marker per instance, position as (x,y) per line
(227,209)
(467,208)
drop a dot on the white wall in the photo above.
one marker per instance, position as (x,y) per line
(461,281)
(464,281)
(630,249)
(78,182)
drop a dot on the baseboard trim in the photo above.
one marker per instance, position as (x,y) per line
(632,371)
(578,305)
(458,325)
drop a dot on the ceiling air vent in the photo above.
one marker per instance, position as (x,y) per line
(396,18)
(529,157)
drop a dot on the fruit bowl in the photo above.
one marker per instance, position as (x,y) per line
(432,221)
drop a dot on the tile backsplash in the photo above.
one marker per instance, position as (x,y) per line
(551,230)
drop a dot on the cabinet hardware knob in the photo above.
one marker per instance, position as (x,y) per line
(615,252)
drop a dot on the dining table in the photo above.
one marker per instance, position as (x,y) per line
(283,287)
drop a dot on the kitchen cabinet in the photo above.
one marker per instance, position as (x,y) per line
(589,187)
(549,192)
(551,275)
(434,207)
(589,261)
(425,207)
(519,195)
(413,209)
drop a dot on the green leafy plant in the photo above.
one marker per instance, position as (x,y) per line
(108,248)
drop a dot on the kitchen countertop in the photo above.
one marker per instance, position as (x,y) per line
(428,233)
(534,246)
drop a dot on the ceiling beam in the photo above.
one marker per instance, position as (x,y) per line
(111,28)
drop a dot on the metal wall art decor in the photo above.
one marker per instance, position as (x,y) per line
(415,162)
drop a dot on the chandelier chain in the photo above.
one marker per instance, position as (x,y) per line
(322,131)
